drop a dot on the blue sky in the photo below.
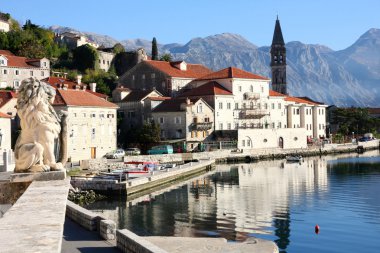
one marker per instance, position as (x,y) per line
(334,23)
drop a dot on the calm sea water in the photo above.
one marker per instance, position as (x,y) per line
(271,200)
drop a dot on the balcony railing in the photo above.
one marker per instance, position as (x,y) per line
(253,114)
(201,126)
(251,96)
(252,126)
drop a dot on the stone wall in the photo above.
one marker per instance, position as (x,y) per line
(91,221)
(98,184)
(129,242)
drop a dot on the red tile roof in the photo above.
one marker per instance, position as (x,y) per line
(232,72)
(158,98)
(192,71)
(80,98)
(300,100)
(210,88)
(6,52)
(5,96)
(18,61)
(273,93)
(173,105)
(374,110)
(3,115)
(57,82)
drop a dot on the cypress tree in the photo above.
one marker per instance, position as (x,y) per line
(154,49)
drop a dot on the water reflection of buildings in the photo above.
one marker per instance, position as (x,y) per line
(234,202)
(264,192)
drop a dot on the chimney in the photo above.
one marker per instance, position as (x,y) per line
(181,65)
(65,86)
(93,87)
(77,87)
(79,79)
(188,101)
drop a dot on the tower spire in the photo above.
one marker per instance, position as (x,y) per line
(278,60)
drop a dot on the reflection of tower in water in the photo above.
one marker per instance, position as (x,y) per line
(281,221)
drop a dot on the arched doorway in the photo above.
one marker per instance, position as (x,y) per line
(281,142)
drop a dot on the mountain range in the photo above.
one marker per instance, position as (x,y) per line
(349,77)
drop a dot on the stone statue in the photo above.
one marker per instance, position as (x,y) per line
(40,127)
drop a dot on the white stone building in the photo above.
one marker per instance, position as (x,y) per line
(5,133)
(14,69)
(73,40)
(262,118)
(169,78)
(4,25)
(105,59)
(189,120)
(91,123)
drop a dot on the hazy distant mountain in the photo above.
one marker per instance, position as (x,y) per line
(345,78)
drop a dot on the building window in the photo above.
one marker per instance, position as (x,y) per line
(177,120)
(248,143)
(17,72)
(272,106)
(143,76)
(236,106)
(265,106)
(44,64)
(243,143)
(298,111)
(244,105)
(229,126)
(259,105)
(251,88)
(273,125)
(108,62)
(221,126)
(251,105)
(163,134)
(16,84)
(262,89)
(199,108)
(279,124)
(279,105)
(5,71)
(153,75)
(228,106)
(220,105)
(93,133)
(161,120)
(236,125)
(239,88)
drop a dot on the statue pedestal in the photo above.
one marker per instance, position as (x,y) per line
(40,176)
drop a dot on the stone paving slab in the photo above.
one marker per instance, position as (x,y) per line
(77,239)
(35,222)
(40,176)
(212,245)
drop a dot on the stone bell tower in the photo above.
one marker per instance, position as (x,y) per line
(278,60)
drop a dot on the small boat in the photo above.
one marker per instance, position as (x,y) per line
(294,158)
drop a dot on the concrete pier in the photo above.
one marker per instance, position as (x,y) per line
(35,222)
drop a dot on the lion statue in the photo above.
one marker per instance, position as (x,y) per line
(40,127)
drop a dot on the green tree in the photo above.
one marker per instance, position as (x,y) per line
(154,49)
(118,48)
(4,40)
(166,57)
(85,57)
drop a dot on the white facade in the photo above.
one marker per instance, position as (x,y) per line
(4,26)
(14,69)
(286,138)
(258,111)
(5,133)
(91,131)
(105,60)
